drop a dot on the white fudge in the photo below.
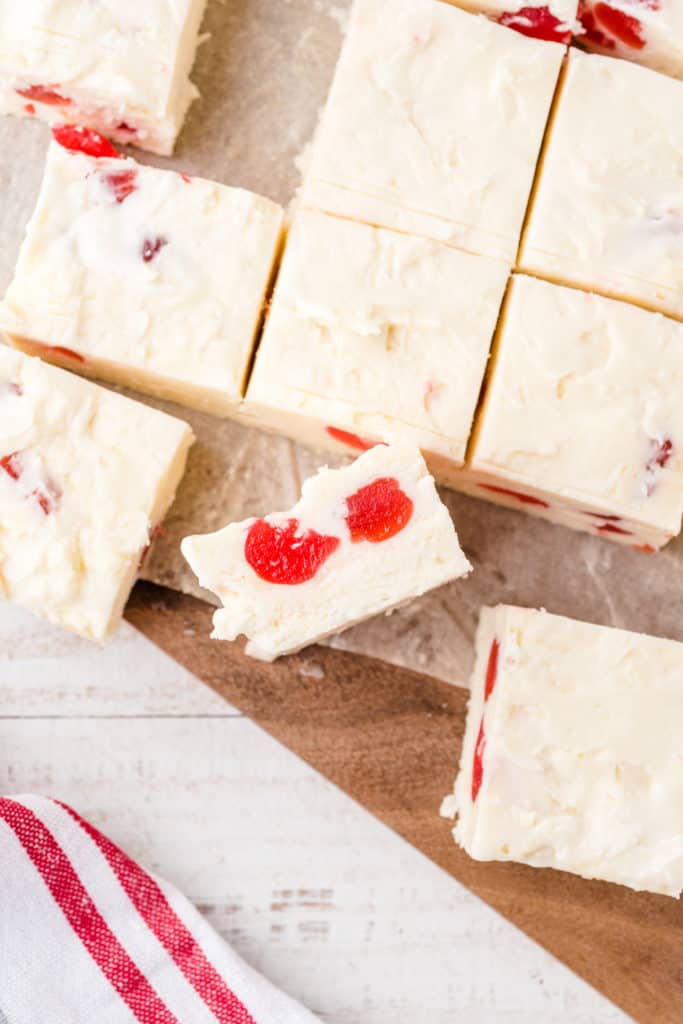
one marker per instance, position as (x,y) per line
(375,335)
(607,213)
(554,21)
(582,421)
(85,477)
(118,66)
(571,757)
(144,277)
(434,125)
(361,540)
(649,33)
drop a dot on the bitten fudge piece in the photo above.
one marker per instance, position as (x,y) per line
(361,540)
(375,335)
(582,421)
(434,125)
(85,477)
(554,21)
(649,33)
(118,66)
(571,757)
(608,213)
(143,277)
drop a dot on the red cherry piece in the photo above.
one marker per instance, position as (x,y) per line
(67,353)
(647,549)
(286,554)
(605,518)
(492,669)
(537,22)
(121,183)
(122,126)
(624,27)
(83,140)
(48,497)
(352,440)
(478,766)
(29,109)
(592,33)
(611,528)
(11,464)
(186,178)
(44,94)
(151,247)
(378,511)
(662,452)
(526,499)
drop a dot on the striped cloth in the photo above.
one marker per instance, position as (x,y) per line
(88,937)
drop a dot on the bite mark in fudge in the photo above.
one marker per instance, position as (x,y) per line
(362,540)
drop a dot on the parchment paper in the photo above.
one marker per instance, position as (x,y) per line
(264,73)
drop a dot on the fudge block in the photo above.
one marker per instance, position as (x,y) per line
(85,478)
(361,540)
(649,33)
(117,66)
(582,421)
(143,277)
(554,21)
(607,213)
(434,125)
(571,757)
(375,335)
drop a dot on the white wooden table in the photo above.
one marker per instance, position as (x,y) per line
(309,887)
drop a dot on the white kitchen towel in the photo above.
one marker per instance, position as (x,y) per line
(89,937)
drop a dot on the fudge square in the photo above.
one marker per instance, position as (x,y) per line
(572,754)
(361,540)
(85,477)
(119,66)
(648,33)
(582,421)
(607,213)
(374,335)
(143,277)
(434,124)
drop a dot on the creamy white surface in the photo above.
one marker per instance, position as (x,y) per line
(608,212)
(582,769)
(358,580)
(376,333)
(583,391)
(659,26)
(434,124)
(117,61)
(183,323)
(112,465)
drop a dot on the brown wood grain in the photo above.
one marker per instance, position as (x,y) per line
(391,739)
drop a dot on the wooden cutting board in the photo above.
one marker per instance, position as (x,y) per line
(391,739)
